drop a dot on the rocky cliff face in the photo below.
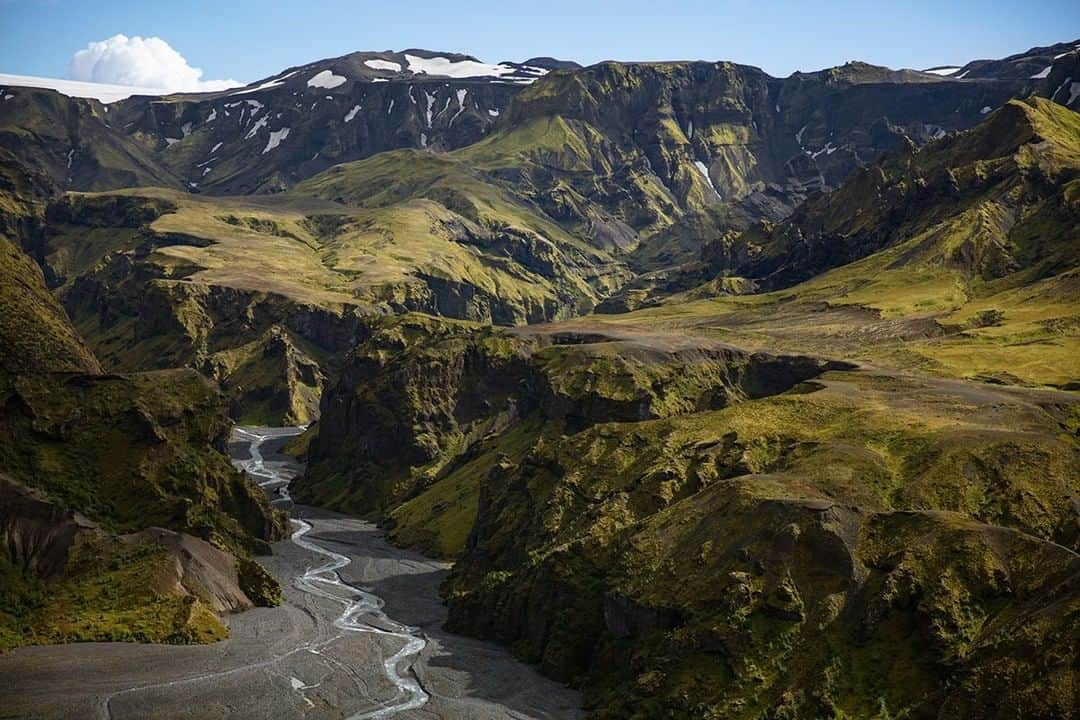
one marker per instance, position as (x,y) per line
(998,175)
(754,532)
(87,459)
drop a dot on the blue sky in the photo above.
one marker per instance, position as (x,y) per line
(251,40)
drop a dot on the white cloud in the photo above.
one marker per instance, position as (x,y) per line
(145,62)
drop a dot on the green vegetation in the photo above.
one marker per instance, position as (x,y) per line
(979,225)
(113,592)
(86,459)
(131,452)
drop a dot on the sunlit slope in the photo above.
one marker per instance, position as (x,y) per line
(961,259)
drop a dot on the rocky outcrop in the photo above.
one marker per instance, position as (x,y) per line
(420,393)
(967,195)
(36,533)
(165,586)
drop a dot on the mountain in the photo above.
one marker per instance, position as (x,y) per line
(979,201)
(1034,63)
(818,457)
(110,481)
(266,136)
(510,193)
(656,510)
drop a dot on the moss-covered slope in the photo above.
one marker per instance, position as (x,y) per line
(685,529)
(90,462)
(987,202)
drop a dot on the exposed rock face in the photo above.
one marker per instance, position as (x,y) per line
(37,534)
(420,393)
(215,577)
(998,176)
(85,457)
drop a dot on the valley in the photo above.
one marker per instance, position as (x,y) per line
(330,650)
(403,384)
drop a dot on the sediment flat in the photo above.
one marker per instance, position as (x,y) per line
(296,660)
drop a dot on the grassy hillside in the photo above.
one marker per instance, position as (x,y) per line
(89,462)
(652,508)
(964,261)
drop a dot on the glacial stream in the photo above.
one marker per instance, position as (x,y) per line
(361,611)
(359,634)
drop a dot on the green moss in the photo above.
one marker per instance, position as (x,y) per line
(134,452)
(439,519)
(108,594)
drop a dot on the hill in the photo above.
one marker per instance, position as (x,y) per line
(122,518)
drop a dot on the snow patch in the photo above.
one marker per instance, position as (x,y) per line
(423,139)
(276,136)
(943,71)
(705,173)
(383,65)
(430,102)
(186,129)
(268,85)
(326,80)
(493,113)
(352,113)
(215,148)
(391,108)
(986,109)
(169,142)
(1042,73)
(212,116)
(257,126)
(461,104)
(1074,93)
(73,88)
(464,68)
(690,131)
(798,135)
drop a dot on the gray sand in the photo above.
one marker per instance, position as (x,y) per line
(293,661)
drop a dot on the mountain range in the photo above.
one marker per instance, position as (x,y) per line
(728,395)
